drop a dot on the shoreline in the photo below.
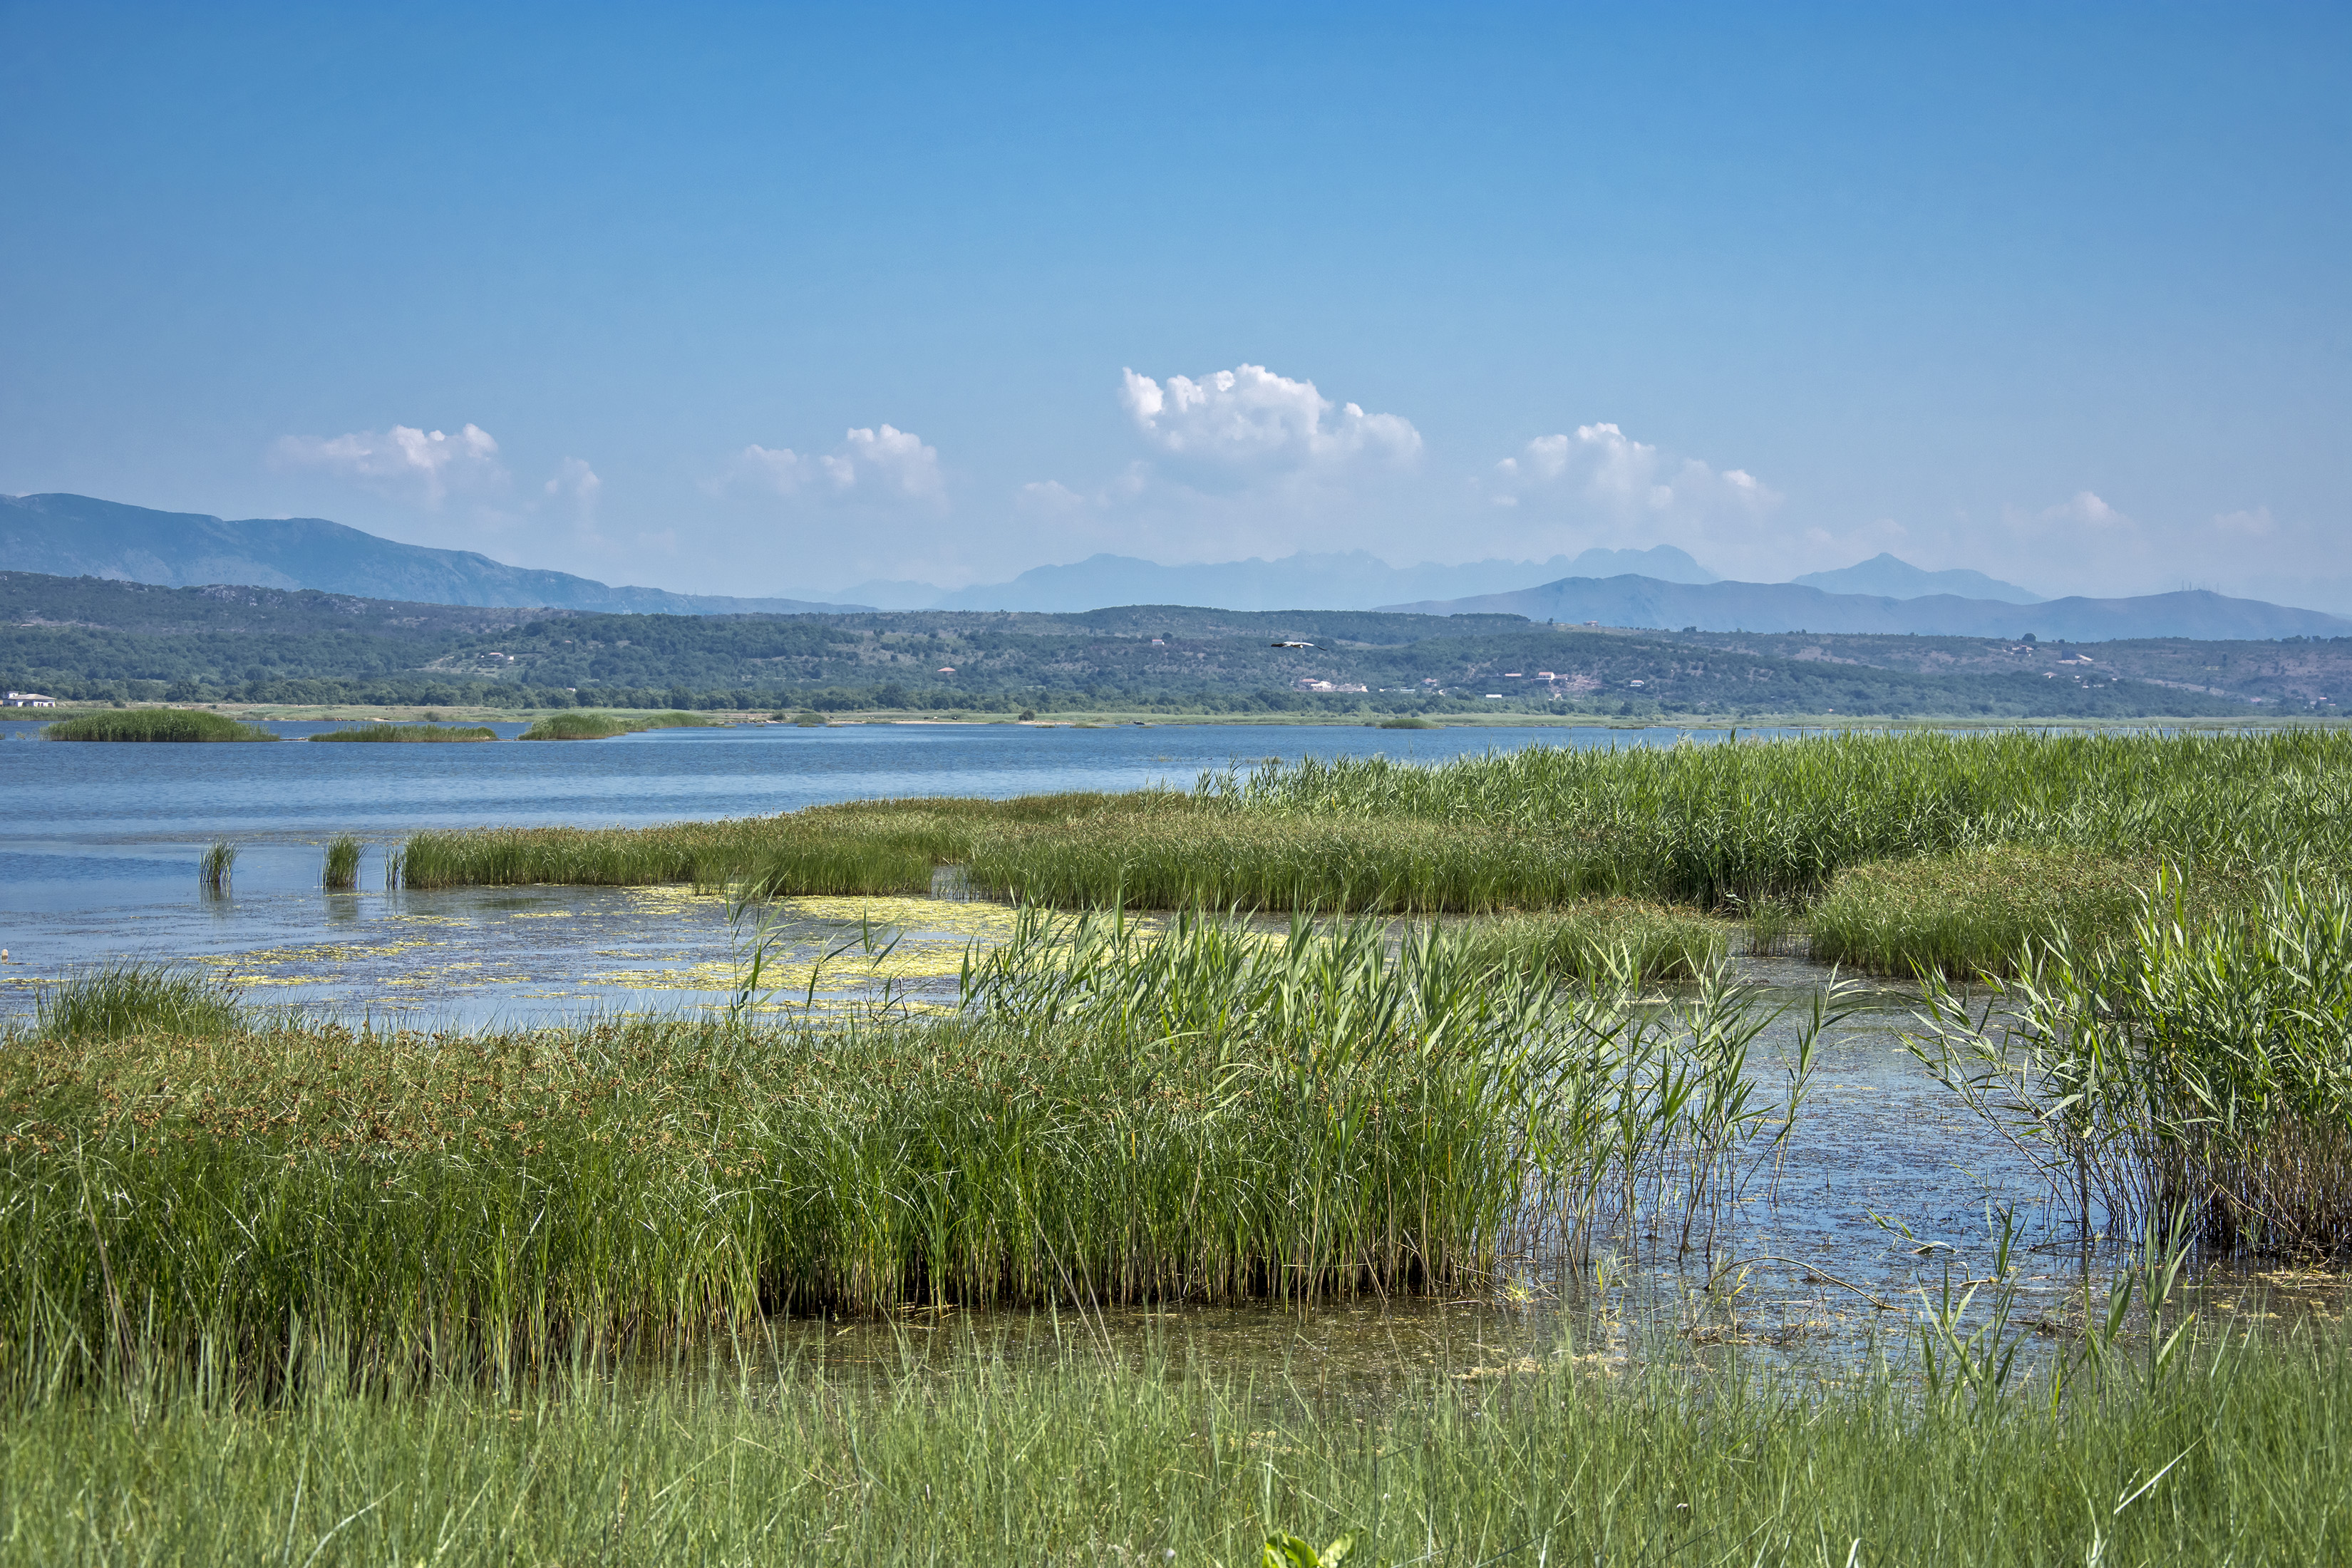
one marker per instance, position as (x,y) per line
(331,713)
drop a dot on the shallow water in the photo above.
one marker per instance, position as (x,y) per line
(98,847)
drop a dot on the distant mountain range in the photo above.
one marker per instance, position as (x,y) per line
(1792,606)
(1351,580)
(1890,578)
(77,536)
(71,536)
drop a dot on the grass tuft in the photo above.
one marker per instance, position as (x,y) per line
(126,998)
(343,870)
(213,870)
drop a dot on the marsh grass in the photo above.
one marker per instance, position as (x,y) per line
(342,872)
(1205,1113)
(1735,828)
(987,1457)
(399,732)
(1646,943)
(575,725)
(214,869)
(1980,911)
(155,724)
(2196,1067)
(128,998)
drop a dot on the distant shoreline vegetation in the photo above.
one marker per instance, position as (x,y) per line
(412,732)
(155,724)
(578,726)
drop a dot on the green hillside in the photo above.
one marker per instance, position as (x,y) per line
(92,641)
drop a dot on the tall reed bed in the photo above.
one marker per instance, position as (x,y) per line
(155,724)
(1731,826)
(875,847)
(573,724)
(1710,824)
(1199,1114)
(2200,1068)
(1980,911)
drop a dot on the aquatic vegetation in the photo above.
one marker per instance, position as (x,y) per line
(1206,1113)
(577,724)
(213,870)
(2198,1067)
(342,872)
(397,732)
(1977,912)
(155,724)
(1737,827)
(126,998)
(1709,824)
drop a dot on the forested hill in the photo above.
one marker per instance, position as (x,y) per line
(91,640)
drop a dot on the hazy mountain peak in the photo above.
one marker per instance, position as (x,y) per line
(1888,576)
(1661,562)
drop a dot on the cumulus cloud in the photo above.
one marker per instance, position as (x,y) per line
(1249,422)
(576,483)
(883,464)
(1628,481)
(2086,510)
(428,464)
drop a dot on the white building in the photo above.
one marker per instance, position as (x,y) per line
(28,700)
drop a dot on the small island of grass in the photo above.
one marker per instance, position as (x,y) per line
(581,726)
(155,724)
(412,732)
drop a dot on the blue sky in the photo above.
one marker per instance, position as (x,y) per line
(767,300)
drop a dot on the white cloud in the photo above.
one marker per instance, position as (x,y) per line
(402,460)
(576,482)
(1627,481)
(883,464)
(1248,422)
(2086,510)
(2256,524)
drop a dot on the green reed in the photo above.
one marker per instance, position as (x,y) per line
(576,724)
(400,733)
(1740,828)
(155,724)
(342,872)
(1207,1113)
(214,869)
(1707,824)
(2197,1066)
(1977,912)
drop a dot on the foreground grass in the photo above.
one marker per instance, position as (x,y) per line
(2232,1459)
(155,724)
(397,732)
